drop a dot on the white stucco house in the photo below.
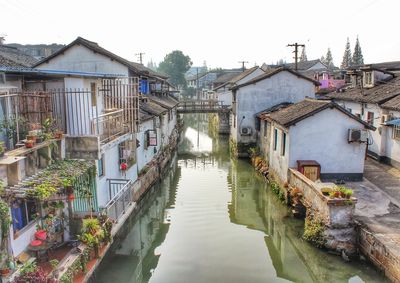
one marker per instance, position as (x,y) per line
(373,97)
(271,88)
(133,80)
(313,130)
(223,92)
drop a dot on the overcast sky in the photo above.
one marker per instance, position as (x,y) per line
(216,31)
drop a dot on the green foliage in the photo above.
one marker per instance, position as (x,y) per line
(347,60)
(175,65)
(42,191)
(2,147)
(277,190)
(314,232)
(358,58)
(54,263)
(5,222)
(233,147)
(254,151)
(28,267)
(341,192)
(303,56)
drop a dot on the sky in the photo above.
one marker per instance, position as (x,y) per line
(219,32)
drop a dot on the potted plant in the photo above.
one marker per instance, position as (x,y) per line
(29,143)
(4,269)
(58,134)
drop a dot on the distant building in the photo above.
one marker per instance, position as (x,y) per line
(38,51)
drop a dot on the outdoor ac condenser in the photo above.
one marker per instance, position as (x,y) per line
(245,131)
(358,135)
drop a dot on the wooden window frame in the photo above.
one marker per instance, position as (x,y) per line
(396,132)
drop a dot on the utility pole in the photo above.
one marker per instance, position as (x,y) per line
(140,55)
(296,50)
(243,62)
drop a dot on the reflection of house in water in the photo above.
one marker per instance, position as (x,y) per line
(254,206)
(136,246)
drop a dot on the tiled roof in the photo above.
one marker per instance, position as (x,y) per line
(392,104)
(237,77)
(165,101)
(302,66)
(97,48)
(12,57)
(378,94)
(297,112)
(152,107)
(387,66)
(144,115)
(273,72)
(226,77)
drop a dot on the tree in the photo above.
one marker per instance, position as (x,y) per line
(151,65)
(346,62)
(175,65)
(303,56)
(329,59)
(323,59)
(358,58)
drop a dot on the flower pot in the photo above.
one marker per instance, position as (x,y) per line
(5,271)
(29,144)
(58,135)
(39,140)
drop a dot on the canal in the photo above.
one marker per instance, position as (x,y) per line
(213,219)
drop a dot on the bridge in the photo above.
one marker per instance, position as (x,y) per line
(202,106)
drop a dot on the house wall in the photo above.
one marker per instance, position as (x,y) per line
(251,99)
(278,163)
(112,170)
(392,146)
(81,59)
(311,139)
(25,236)
(377,143)
(144,155)
(225,95)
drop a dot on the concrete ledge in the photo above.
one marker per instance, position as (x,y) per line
(87,147)
(352,177)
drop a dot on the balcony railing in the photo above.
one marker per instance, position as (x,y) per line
(121,200)
(109,125)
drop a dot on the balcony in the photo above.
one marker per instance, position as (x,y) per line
(109,125)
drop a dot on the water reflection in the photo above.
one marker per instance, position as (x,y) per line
(213,219)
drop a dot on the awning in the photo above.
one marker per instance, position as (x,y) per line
(395,122)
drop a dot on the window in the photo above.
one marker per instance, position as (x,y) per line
(368,78)
(93,94)
(23,212)
(396,132)
(283,148)
(275,138)
(265,128)
(370,118)
(100,166)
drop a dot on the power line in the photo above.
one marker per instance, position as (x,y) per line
(296,51)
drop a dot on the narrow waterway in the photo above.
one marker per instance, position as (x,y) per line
(213,219)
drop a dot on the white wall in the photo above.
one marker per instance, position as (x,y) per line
(251,99)
(392,146)
(377,144)
(21,243)
(144,155)
(279,163)
(81,59)
(317,138)
(112,171)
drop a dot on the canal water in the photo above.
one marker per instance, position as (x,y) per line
(213,219)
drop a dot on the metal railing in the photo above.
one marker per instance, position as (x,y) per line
(109,125)
(120,201)
(209,105)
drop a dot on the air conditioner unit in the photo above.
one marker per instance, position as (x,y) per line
(245,131)
(358,135)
